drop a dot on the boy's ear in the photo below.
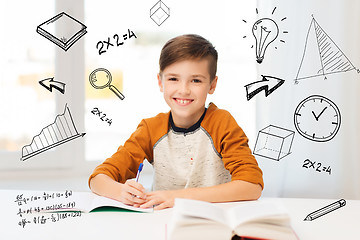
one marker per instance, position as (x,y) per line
(160,83)
(213,85)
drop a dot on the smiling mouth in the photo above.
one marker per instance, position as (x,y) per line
(183,101)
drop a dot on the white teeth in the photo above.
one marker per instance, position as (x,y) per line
(181,101)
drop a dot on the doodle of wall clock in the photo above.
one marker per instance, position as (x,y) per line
(317,118)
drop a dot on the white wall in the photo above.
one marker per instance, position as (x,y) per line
(287,178)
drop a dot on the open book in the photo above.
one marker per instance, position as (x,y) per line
(80,201)
(253,219)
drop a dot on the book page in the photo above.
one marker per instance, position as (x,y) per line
(186,227)
(200,209)
(268,211)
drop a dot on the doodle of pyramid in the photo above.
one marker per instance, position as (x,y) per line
(321,55)
(60,131)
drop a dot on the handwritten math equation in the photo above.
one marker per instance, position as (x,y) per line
(115,41)
(21,199)
(54,217)
(318,167)
(30,213)
(52,207)
(101,115)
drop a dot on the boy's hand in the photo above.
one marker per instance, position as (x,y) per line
(132,193)
(163,199)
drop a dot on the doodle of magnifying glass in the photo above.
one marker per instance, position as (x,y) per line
(101,78)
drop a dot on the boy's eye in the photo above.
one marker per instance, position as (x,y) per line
(172,79)
(196,81)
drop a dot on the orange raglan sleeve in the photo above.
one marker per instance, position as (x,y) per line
(123,164)
(232,144)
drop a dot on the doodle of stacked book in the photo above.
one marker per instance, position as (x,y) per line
(63,30)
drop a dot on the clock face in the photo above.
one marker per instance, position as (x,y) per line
(317,118)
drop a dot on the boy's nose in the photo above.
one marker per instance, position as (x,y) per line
(185,88)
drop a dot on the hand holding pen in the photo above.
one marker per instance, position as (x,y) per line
(132,192)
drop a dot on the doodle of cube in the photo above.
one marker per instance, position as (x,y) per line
(159,13)
(274,142)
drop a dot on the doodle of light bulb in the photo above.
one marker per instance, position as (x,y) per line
(265,32)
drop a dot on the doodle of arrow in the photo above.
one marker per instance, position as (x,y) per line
(49,84)
(263,85)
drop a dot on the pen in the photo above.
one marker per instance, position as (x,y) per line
(139,171)
(325,210)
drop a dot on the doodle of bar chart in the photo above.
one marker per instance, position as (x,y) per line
(60,131)
(274,142)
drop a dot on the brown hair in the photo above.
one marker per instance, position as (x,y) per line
(185,47)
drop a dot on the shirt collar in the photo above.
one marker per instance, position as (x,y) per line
(186,130)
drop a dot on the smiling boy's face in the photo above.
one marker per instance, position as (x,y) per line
(185,85)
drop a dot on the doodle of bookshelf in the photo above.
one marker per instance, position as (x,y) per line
(60,131)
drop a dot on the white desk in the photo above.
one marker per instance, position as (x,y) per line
(343,223)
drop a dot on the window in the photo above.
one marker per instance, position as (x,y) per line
(28,107)
(134,66)
(28,57)
(26,60)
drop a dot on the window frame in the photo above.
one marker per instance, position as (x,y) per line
(69,158)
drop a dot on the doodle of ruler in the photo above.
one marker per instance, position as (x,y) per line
(330,59)
(60,131)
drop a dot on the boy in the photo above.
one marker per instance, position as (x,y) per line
(197,152)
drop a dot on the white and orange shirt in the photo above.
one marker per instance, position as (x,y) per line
(213,151)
